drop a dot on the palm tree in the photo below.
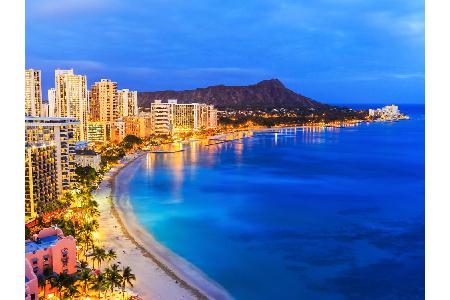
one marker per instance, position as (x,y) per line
(113,276)
(85,277)
(99,283)
(71,291)
(111,255)
(127,277)
(42,282)
(61,282)
(99,255)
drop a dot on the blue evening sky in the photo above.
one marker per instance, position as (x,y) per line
(335,51)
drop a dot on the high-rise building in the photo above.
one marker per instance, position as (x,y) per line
(127,103)
(171,117)
(45,110)
(162,116)
(118,131)
(49,164)
(103,102)
(52,112)
(140,126)
(71,98)
(33,93)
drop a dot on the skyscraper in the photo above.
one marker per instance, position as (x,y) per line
(127,103)
(71,99)
(49,165)
(33,93)
(103,102)
(52,112)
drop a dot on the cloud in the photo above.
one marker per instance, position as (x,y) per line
(82,65)
(64,8)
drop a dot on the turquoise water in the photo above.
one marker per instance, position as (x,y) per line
(305,214)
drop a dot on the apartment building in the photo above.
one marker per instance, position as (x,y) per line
(104,102)
(98,132)
(71,99)
(49,165)
(33,93)
(127,103)
(171,117)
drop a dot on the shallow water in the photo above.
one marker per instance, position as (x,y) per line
(332,213)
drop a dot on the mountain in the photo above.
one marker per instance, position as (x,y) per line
(265,94)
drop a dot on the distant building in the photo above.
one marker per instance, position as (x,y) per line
(45,110)
(103,102)
(140,126)
(71,99)
(118,131)
(171,117)
(33,93)
(50,249)
(52,112)
(389,112)
(49,164)
(98,132)
(162,116)
(87,158)
(127,103)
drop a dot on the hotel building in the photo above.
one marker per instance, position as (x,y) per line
(87,158)
(31,282)
(171,117)
(50,249)
(118,131)
(140,126)
(33,93)
(51,93)
(103,102)
(127,103)
(98,132)
(49,165)
(162,116)
(45,110)
(71,99)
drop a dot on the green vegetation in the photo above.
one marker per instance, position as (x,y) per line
(77,213)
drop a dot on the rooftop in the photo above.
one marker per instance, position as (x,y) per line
(86,152)
(40,244)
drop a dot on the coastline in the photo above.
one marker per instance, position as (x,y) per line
(160,273)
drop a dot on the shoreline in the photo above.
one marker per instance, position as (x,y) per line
(160,273)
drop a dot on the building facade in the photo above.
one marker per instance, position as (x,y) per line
(98,132)
(45,110)
(162,116)
(171,117)
(128,105)
(50,249)
(88,158)
(118,131)
(103,102)
(140,126)
(51,94)
(49,161)
(33,93)
(71,99)
(31,283)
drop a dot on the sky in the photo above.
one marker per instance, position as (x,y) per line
(335,51)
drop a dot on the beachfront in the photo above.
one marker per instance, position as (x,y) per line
(157,277)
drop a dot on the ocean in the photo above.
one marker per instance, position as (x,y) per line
(323,213)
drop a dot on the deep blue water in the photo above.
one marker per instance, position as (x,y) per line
(308,214)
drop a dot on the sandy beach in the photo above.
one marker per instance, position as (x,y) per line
(160,273)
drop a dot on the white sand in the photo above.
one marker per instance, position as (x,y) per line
(160,274)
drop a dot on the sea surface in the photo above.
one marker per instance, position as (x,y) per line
(334,213)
